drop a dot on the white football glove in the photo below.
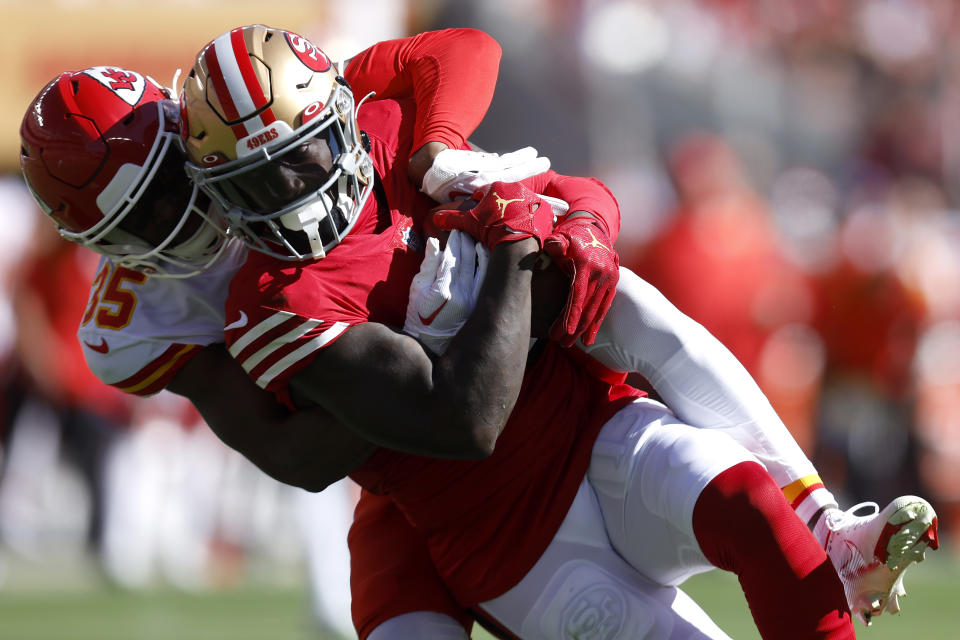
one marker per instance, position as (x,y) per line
(457,172)
(444,292)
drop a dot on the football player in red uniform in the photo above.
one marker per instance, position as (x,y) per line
(572,235)
(100,147)
(100,156)
(572,488)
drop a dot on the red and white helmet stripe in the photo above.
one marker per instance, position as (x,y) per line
(236,85)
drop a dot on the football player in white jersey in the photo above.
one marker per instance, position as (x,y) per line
(167,336)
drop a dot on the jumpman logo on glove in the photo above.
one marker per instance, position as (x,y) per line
(596,244)
(593,267)
(498,217)
(502,203)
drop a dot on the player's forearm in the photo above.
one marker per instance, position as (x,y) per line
(309,449)
(450,73)
(482,369)
(454,78)
(450,406)
(549,289)
(422,160)
(584,196)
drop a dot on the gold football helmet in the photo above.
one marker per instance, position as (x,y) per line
(254,99)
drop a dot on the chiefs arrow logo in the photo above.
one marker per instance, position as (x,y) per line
(433,316)
(129,86)
(99,348)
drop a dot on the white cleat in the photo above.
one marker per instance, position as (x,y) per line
(871,552)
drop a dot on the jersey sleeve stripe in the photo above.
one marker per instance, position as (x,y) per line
(155,376)
(258,330)
(300,353)
(271,347)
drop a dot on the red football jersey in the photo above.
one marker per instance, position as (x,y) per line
(428,67)
(391,572)
(485,522)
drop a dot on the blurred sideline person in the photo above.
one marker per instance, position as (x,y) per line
(755,301)
(88,417)
(310,329)
(871,324)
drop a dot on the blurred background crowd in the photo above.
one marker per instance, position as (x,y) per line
(788,173)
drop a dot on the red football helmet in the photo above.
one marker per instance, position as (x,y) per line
(100,153)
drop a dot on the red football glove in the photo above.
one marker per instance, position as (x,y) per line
(507,213)
(585,253)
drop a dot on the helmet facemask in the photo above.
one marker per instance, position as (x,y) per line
(171,230)
(316,219)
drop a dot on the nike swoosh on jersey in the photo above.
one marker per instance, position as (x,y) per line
(239,324)
(433,316)
(103,347)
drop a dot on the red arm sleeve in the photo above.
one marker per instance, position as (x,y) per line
(451,75)
(583,194)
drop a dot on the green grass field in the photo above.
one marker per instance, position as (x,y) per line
(83,610)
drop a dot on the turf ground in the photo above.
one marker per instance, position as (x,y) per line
(33,608)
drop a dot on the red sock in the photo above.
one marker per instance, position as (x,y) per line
(745,525)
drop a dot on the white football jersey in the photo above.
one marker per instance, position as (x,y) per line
(137,331)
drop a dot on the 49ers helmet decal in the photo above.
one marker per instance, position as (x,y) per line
(95,145)
(254,94)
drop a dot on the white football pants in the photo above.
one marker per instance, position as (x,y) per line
(695,375)
(613,568)
(692,371)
